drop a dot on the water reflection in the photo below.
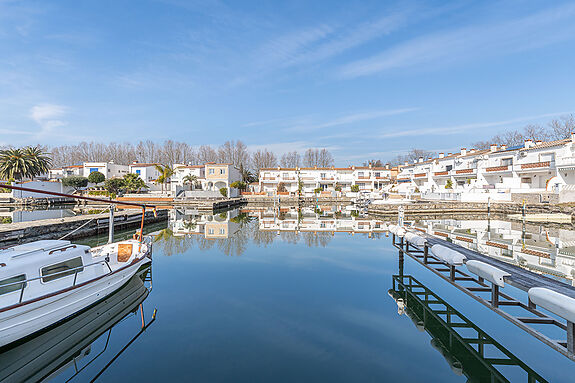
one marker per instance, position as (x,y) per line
(543,249)
(233,230)
(10,215)
(66,350)
(467,349)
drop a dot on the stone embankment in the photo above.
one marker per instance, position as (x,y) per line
(443,208)
(57,227)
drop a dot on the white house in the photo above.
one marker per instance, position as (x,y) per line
(108,169)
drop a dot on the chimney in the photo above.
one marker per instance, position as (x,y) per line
(441,155)
(387,166)
(406,163)
(449,154)
(528,143)
(572,136)
(420,159)
(503,147)
(472,150)
(538,142)
(493,147)
(463,151)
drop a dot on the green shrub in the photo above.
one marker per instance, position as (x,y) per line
(355,188)
(317,190)
(76,182)
(96,177)
(224,192)
(449,184)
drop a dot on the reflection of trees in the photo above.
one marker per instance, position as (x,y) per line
(290,237)
(237,242)
(316,239)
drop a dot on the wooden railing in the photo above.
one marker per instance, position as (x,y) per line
(444,173)
(419,175)
(464,171)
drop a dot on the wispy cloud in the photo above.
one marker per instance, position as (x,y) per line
(534,31)
(350,119)
(465,127)
(48,117)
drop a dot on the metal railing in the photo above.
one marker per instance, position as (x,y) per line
(24,283)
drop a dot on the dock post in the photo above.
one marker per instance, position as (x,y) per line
(494,295)
(452,273)
(425,253)
(570,336)
(393,238)
(111,226)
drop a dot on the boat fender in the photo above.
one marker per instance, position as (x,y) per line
(490,273)
(553,301)
(447,255)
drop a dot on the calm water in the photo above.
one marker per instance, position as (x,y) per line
(279,296)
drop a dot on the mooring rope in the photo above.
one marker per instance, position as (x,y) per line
(85,223)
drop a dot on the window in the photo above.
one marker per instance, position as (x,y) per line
(211,171)
(210,231)
(526,180)
(16,287)
(92,170)
(360,174)
(222,231)
(448,168)
(377,174)
(222,171)
(62,269)
(285,175)
(138,172)
(322,175)
(506,161)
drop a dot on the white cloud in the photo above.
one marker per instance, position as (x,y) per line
(534,31)
(351,118)
(464,127)
(48,117)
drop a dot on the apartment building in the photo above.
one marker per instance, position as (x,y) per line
(211,177)
(306,181)
(534,170)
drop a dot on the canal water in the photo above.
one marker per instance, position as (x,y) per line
(290,295)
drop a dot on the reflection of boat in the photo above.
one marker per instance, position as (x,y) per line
(55,349)
(467,348)
(44,282)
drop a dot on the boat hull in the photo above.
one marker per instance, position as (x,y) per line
(33,316)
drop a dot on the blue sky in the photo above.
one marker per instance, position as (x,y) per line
(366,79)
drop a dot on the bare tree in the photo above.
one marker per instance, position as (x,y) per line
(320,158)
(290,160)
(374,163)
(562,127)
(207,154)
(263,159)
(413,155)
(234,152)
(536,133)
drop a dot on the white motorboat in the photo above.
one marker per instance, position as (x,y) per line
(68,346)
(45,282)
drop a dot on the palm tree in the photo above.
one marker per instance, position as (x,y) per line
(166,172)
(23,162)
(192,180)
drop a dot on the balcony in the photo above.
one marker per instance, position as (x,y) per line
(444,173)
(498,169)
(288,178)
(420,175)
(465,172)
(400,180)
(269,178)
(363,177)
(534,166)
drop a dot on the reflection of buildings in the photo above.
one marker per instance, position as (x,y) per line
(212,226)
(15,216)
(534,247)
(317,219)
